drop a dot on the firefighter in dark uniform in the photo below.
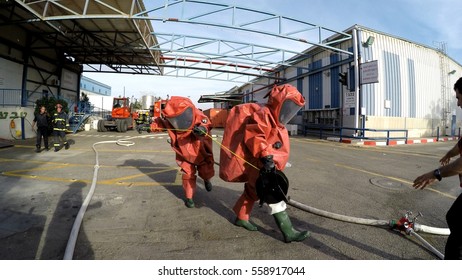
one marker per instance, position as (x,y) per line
(60,125)
(41,120)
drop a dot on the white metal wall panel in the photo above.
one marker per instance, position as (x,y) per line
(413,80)
(10,74)
(69,80)
(426,83)
(291,73)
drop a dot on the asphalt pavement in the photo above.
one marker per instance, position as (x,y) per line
(137,211)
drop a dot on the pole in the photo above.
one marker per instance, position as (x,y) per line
(23,133)
(356,73)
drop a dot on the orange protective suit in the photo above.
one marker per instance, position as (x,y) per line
(265,134)
(193,152)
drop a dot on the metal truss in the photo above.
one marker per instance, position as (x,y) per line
(93,33)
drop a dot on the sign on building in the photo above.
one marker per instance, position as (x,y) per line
(369,72)
(349,100)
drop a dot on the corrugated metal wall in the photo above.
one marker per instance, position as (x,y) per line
(406,71)
(409,77)
(392,83)
(315,89)
(412,90)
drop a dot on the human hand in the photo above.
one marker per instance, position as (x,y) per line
(154,127)
(268,164)
(423,181)
(200,130)
(445,160)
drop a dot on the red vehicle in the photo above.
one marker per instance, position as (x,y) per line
(121,118)
(158,107)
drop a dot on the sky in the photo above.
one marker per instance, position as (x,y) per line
(426,22)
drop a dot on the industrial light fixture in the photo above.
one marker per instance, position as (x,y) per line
(369,41)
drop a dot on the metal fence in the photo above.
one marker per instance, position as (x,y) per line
(356,133)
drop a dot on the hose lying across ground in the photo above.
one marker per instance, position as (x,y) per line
(68,254)
(79,218)
(379,223)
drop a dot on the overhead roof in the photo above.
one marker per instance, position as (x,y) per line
(87,34)
(227,96)
(220,98)
(117,36)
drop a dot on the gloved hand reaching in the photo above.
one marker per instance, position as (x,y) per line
(200,130)
(268,164)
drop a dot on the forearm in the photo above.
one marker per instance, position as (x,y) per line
(454,168)
(453,152)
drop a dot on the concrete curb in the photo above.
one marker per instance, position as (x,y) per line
(360,142)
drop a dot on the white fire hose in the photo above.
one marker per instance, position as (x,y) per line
(410,230)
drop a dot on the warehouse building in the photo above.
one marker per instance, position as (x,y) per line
(45,45)
(402,85)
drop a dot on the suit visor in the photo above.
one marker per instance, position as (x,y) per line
(182,121)
(288,110)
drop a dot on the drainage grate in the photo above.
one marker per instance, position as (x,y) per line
(388,184)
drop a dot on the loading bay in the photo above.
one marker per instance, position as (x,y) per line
(137,211)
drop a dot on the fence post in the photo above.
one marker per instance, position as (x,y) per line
(321,128)
(388,137)
(438,134)
(23,134)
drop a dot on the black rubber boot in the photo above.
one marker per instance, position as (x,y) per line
(37,149)
(208,185)
(285,225)
(66,146)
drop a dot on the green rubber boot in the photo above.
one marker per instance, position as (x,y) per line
(245,224)
(189,203)
(285,225)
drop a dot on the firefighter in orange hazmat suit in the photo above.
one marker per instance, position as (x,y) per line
(187,127)
(267,139)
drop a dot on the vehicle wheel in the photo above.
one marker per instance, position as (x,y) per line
(118,126)
(99,125)
(103,128)
(123,126)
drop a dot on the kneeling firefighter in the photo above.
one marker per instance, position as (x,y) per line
(265,149)
(187,127)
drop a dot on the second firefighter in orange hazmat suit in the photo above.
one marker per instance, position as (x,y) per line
(188,128)
(265,147)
